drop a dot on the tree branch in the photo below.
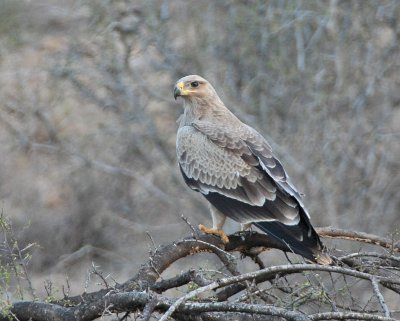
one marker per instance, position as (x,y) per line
(134,293)
(332,232)
(348,315)
(375,286)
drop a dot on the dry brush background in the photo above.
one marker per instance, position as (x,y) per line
(87,118)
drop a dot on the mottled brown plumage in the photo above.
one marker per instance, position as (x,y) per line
(233,166)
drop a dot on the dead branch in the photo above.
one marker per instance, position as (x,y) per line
(139,292)
(331,232)
(347,315)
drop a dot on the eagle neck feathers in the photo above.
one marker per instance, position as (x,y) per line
(210,109)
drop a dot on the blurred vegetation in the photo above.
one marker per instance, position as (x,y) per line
(87,117)
(15,281)
(11,16)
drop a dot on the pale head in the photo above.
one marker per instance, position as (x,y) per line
(192,87)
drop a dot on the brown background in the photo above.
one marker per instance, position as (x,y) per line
(88,121)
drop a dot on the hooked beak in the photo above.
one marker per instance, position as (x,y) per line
(179,89)
(177,92)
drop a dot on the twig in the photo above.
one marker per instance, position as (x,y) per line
(357,236)
(371,254)
(151,240)
(347,315)
(100,275)
(68,290)
(186,297)
(195,233)
(124,317)
(149,308)
(226,258)
(254,309)
(179,280)
(375,287)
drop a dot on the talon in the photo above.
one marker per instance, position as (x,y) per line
(217,232)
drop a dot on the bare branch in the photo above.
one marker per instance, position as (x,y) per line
(379,295)
(149,308)
(29,310)
(246,308)
(179,280)
(348,315)
(357,236)
(133,295)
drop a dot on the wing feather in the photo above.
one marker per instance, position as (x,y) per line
(236,173)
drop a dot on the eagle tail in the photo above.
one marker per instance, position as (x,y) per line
(300,239)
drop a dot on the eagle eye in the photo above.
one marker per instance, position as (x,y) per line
(194,84)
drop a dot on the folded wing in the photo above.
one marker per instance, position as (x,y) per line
(237,172)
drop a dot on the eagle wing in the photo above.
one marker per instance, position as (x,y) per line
(237,172)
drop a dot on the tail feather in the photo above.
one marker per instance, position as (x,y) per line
(300,239)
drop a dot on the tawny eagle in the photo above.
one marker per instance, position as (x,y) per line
(234,168)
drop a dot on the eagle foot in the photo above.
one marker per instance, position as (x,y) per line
(214,231)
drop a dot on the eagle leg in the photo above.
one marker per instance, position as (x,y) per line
(214,231)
